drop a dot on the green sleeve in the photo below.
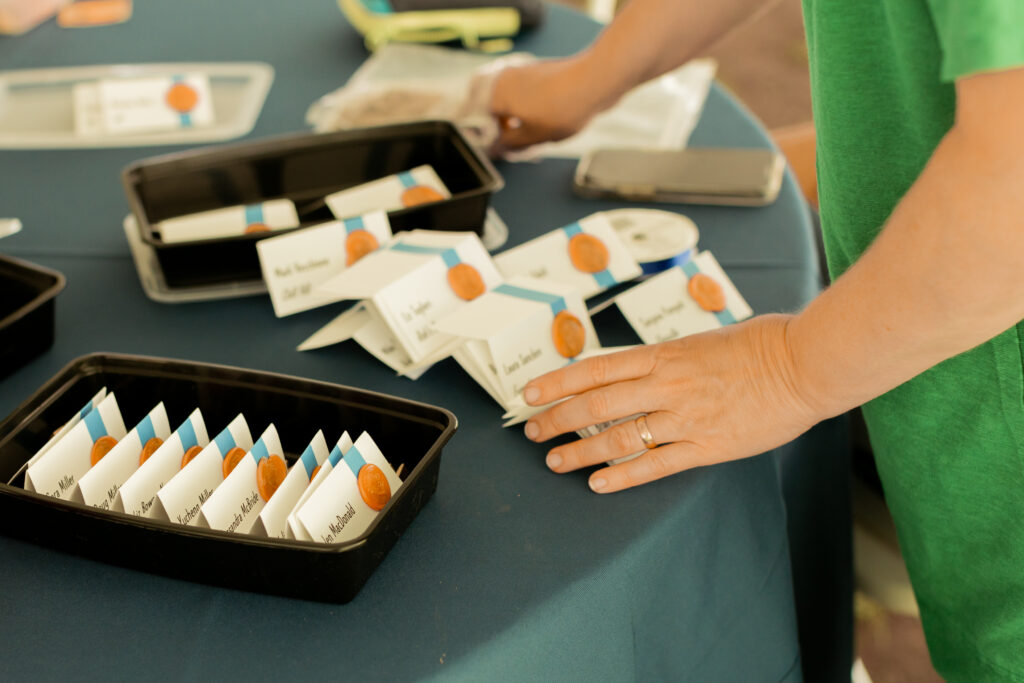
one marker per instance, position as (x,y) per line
(979,35)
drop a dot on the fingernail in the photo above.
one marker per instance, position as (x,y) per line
(531,394)
(531,430)
(598,484)
(554,460)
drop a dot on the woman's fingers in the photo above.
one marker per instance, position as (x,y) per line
(653,464)
(589,374)
(594,407)
(619,441)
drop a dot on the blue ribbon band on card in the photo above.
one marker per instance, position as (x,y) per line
(355,460)
(556,302)
(406,179)
(186,119)
(94,423)
(259,451)
(187,433)
(725,317)
(604,278)
(225,441)
(451,258)
(254,214)
(308,460)
(86,409)
(335,457)
(653,267)
(353,224)
(145,430)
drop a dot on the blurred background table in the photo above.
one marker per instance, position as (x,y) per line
(509,572)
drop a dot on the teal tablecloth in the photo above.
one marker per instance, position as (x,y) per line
(509,572)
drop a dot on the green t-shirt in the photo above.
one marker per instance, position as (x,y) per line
(949,443)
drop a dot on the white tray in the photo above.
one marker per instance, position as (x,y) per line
(36,107)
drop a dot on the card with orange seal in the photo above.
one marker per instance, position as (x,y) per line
(352,494)
(99,486)
(420,185)
(67,426)
(229,221)
(124,106)
(519,330)
(63,464)
(250,480)
(420,277)
(201,473)
(137,495)
(294,265)
(694,297)
(587,254)
(273,519)
(293,527)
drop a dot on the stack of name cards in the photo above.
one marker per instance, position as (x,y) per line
(404,289)
(420,185)
(587,255)
(295,265)
(268,216)
(228,483)
(519,330)
(125,106)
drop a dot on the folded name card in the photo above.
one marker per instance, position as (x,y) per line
(294,528)
(420,185)
(236,503)
(273,519)
(420,277)
(229,221)
(181,499)
(59,434)
(518,331)
(63,464)
(294,265)
(587,255)
(135,105)
(352,494)
(99,486)
(694,297)
(138,495)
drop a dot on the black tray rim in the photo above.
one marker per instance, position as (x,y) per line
(45,395)
(277,144)
(59,283)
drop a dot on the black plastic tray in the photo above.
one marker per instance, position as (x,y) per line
(407,432)
(27,294)
(304,168)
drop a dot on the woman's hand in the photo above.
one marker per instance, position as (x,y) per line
(545,101)
(709,398)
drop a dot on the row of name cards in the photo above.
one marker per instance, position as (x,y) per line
(405,289)
(125,106)
(229,483)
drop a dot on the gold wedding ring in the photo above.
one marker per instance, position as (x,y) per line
(645,432)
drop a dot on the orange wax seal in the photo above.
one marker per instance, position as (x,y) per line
(315,470)
(708,294)
(182,98)
(231,459)
(149,449)
(588,253)
(100,448)
(358,244)
(269,475)
(189,454)
(373,487)
(568,334)
(465,281)
(256,227)
(420,194)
